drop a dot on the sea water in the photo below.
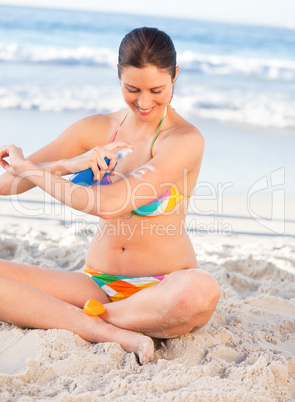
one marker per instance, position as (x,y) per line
(60,60)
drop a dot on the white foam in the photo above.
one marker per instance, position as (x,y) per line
(259,109)
(255,108)
(50,54)
(271,69)
(57,99)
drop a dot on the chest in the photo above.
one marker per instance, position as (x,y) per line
(141,155)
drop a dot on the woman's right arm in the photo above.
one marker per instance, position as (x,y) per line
(75,140)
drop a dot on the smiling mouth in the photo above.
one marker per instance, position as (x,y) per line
(145,110)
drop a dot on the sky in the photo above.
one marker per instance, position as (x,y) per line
(258,12)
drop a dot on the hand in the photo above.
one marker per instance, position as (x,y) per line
(94,157)
(16,158)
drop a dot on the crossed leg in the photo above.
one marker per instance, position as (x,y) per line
(183,301)
(33,297)
(44,298)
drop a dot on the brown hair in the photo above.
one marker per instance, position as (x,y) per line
(143,46)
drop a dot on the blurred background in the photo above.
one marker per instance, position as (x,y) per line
(236,82)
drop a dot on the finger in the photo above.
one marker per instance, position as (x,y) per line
(12,146)
(12,150)
(112,156)
(4,164)
(21,151)
(102,167)
(99,155)
(4,151)
(100,175)
(96,163)
(15,153)
(95,171)
(102,163)
(7,150)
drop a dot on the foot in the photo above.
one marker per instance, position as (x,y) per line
(95,329)
(144,348)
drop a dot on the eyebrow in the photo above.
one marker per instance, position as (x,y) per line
(158,87)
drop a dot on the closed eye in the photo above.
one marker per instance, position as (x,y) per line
(155,90)
(137,90)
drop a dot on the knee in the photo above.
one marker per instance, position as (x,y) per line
(209,289)
(89,290)
(195,292)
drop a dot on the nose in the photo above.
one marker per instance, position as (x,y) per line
(144,100)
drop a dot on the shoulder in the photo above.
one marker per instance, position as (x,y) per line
(188,136)
(181,136)
(79,137)
(93,130)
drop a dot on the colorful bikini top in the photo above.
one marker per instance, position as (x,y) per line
(166,201)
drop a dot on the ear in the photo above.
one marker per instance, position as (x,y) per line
(118,71)
(176,74)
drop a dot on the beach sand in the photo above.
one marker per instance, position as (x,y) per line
(245,240)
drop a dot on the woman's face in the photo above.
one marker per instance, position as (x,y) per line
(147,91)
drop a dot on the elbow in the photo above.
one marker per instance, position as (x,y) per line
(3,188)
(103,208)
(109,213)
(110,209)
(10,185)
(106,216)
(109,205)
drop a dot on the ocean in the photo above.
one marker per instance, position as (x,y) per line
(60,60)
(64,62)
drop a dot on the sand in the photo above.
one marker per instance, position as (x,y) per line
(246,352)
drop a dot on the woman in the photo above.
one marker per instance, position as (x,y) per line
(164,294)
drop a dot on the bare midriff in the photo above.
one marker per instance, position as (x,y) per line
(141,246)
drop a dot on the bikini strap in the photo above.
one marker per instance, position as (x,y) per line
(155,137)
(117,128)
(161,122)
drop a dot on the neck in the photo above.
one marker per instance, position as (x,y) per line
(152,125)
